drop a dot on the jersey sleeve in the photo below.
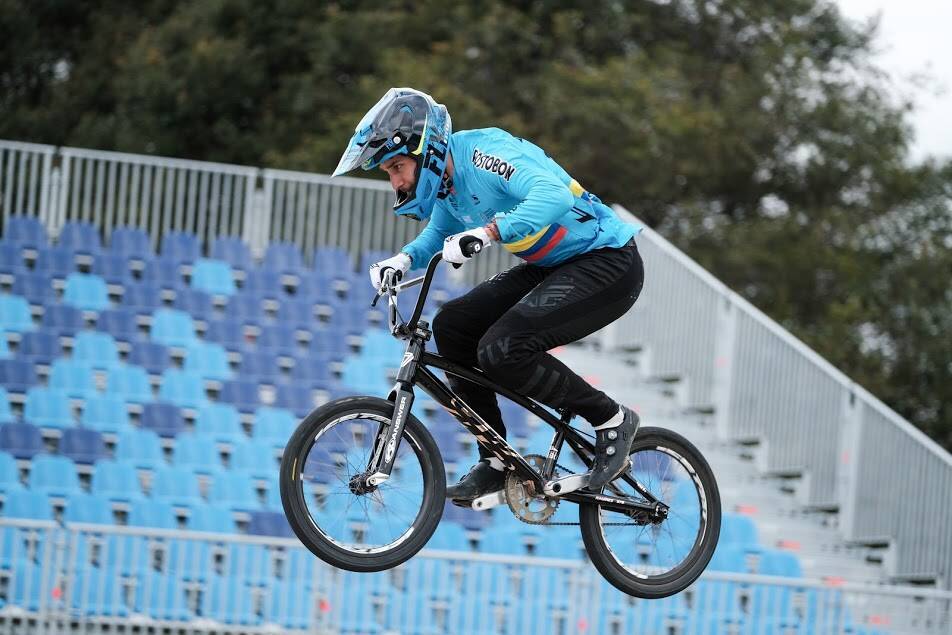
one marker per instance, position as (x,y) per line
(430,240)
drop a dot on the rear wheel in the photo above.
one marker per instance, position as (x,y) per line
(334,513)
(655,558)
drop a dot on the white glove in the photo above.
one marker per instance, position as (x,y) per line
(401,263)
(453,246)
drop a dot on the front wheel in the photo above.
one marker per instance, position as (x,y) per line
(334,513)
(652,557)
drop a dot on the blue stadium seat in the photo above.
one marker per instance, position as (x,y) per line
(189,560)
(263,284)
(164,273)
(6,414)
(182,247)
(220,422)
(152,513)
(105,413)
(97,349)
(27,232)
(197,454)
(82,445)
(278,339)
(27,503)
(130,242)
(332,259)
(121,324)
(729,557)
(86,291)
(177,486)
(283,257)
(114,269)
(246,308)
(17,375)
(228,332)
(364,376)
(141,448)
(232,250)
(73,377)
(235,490)
(297,399)
(35,288)
(381,345)
(450,536)
(273,425)
(87,508)
(172,327)
(262,366)
(55,262)
(256,459)
(48,408)
(9,473)
(165,419)
(116,481)
(352,319)
(11,260)
(39,347)
(182,388)
(15,314)
(195,302)
(22,440)
(62,319)
(4,346)
(213,276)
(207,360)
(505,540)
(81,237)
(780,563)
(289,605)
(213,518)
(162,597)
(131,383)
(26,587)
(97,593)
(297,314)
(268,523)
(153,357)
(131,556)
(240,393)
(738,530)
(229,601)
(142,298)
(53,475)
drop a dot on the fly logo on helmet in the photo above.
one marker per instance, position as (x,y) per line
(410,122)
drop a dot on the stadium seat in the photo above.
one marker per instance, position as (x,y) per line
(298,314)
(214,277)
(162,597)
(62,319)
(261,366)
(151,356)
(273,425)
(197,303)
(213,518)
(114,269)
(27,232)
(181,247)
(116,481)
(22,440)
(289,605)
(352,319)
(73,377)
(53,475)
(172,327)
(55,262)
(364,376)
(283,257)
(297,399)
(228,600)
(240,393)
(11,261)
(26,587)
(780,563)
(278,339)
(97,593)
(87,508)
(164,273)
(449,536)
(738,530)
(15,313)
(220,422)
(232,250)
(163,418)
(505,540)
(105,413)
(207,360)
(189,560)
(130,242)
(120,323)
(39,347)
(82,445)
(256,459)
(36,288)
(197,454)
(379,344)
(177,486)
(235,490)
(131,556)
(152,513)
(6,414)
(142,298)
(263,284)
(27,503)
(48,408)
(228,332)
(245,308)
(729,557)
(9,473)
(268,523)
(81,237)
(86,291)
(182,388)
(141,448)
(332,259)
(97,349)
(131,383)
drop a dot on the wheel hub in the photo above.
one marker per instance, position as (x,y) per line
(359,486)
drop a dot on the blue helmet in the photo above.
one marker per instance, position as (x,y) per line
(404,121)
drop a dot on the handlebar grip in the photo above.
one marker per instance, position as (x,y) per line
(470,245)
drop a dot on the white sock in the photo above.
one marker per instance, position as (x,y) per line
(614,422)
(496,464)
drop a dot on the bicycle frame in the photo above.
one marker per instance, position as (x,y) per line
(415,371)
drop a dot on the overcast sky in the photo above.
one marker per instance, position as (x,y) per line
(914,37)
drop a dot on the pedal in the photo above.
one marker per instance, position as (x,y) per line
(483,502)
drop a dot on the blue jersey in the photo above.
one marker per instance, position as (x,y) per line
(544,216)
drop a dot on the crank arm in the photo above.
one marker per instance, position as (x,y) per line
(483,502)
(566,484)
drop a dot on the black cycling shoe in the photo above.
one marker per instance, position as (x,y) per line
(481,479)
(612,447)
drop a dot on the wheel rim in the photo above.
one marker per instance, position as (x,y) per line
(367,523)
(659,552)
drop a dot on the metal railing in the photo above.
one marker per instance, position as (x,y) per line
(888,481)
(80,578)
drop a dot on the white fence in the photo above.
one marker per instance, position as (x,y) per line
(889,482)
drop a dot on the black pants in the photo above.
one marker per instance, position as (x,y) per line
(506,324)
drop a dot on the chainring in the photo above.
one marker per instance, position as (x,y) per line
(527,505)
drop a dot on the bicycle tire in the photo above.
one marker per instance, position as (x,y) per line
(295,504)
(681,576)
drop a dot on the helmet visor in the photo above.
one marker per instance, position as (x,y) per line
(369,136)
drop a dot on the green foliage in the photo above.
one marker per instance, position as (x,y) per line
(756,135)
